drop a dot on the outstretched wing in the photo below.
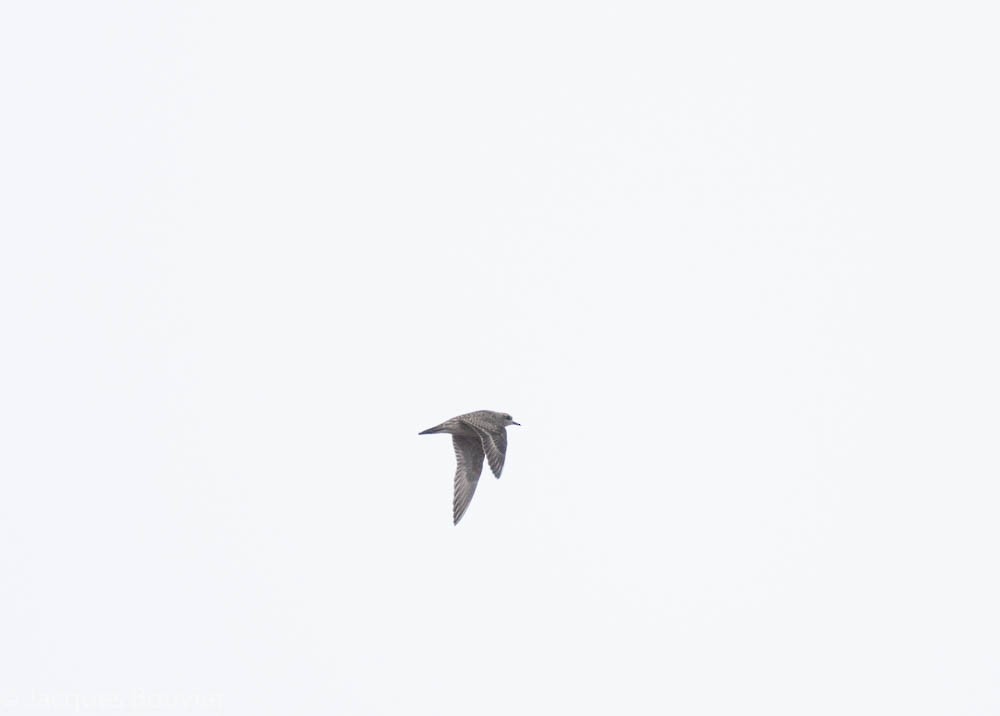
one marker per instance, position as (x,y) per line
(495,447)
(469,453)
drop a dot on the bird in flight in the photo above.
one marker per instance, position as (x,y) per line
(475,436)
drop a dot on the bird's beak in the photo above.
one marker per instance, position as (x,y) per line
(513,423)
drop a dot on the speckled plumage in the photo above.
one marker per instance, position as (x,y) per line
(475,436)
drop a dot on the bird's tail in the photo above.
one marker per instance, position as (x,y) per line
(436,429)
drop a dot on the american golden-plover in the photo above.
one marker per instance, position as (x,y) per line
(474,435)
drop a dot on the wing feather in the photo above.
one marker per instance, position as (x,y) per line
(494,446)
(469,454)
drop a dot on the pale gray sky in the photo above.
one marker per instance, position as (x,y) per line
(734,267)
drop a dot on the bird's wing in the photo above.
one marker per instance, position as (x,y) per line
(469,453)
(495,447)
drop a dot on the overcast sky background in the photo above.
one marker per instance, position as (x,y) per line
(733,266)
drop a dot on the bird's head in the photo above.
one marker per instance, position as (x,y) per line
(507,420)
